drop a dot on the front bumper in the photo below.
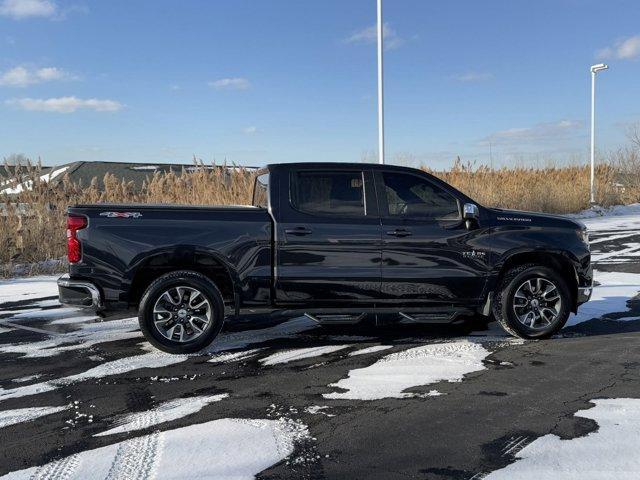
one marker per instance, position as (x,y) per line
(79,293)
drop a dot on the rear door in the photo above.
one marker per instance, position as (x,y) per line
(328,238)
(428,255)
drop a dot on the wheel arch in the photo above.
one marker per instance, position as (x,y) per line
(558,260)
(209,263)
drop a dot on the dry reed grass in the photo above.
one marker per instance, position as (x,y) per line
(39,235)
(551,189)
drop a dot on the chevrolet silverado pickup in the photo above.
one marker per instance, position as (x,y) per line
(337,242)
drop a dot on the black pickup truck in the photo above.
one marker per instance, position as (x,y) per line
(337,242)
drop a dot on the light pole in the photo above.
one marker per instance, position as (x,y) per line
(594,69)
(380,86)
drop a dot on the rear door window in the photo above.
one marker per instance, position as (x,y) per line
(328,193)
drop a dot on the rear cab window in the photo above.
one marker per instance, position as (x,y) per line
(326,193)
(261,191)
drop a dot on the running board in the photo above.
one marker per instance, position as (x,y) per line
(434,317)
(336,318)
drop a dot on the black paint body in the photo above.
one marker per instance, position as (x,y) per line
(279,258)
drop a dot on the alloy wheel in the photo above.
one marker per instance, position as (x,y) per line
(537,303)
(182,314)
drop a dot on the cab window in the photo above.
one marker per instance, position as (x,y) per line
(261,191)
(328,193)
(411,196)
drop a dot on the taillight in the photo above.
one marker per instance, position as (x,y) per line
(74,248)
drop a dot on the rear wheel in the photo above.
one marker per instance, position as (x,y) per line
(181,312)
(532,302)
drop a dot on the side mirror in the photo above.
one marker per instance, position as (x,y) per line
(470,213)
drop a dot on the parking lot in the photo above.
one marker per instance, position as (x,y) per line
(84,397)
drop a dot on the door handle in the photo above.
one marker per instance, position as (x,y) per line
(298,231)
(399,232)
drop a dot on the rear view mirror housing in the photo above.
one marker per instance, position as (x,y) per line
(470,214)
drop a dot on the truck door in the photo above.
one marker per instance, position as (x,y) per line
(428,255)
(328,238)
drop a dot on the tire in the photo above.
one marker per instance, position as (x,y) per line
(196,327)
(513,313)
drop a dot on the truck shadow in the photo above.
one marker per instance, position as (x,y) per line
(473,326)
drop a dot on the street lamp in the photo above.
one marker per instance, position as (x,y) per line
(594,69)
(380,28)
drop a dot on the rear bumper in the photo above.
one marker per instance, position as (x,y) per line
(79,293)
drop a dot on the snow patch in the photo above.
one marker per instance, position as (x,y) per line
(611,452)
(234,356)
(300,353)
(375,348)
(28,185)
(611,296)
(145,167)
(165,412)
(28,378)
(424,365)
(20,415)
(230,448)
(614,211)
(240,340)
(17,289)
(154,359)
(317,409)
(88,335)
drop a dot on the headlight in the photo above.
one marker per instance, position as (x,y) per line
(584,235)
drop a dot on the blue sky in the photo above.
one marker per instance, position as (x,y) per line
(257,81)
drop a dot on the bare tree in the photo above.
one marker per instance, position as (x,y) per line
(633,134)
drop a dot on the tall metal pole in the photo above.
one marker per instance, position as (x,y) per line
(380,86)
(593,135)
(594,70)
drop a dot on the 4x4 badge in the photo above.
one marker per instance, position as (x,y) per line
(121,214)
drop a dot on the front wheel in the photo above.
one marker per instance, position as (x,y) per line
(181,312)
(532,302)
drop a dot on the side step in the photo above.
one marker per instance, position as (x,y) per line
(336,318)
(434,317)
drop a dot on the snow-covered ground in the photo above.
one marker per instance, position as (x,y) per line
(229,448)
(17,289)
(611,452)
(165,412)
(393,374)
(343,372)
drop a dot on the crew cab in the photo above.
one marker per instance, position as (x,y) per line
(338,242)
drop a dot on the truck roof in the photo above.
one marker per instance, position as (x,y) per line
(337,165)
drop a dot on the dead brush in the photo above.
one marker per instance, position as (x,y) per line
(32,220)
(550,189)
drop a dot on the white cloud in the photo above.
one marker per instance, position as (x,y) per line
(472,77)
(625,49)
(370,35)
(251,130)
(19,9)
(23,76)
(540,133)
(237,83)
(175,88)
(65,104)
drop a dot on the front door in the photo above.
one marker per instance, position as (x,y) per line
(328,239)
(428,254)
